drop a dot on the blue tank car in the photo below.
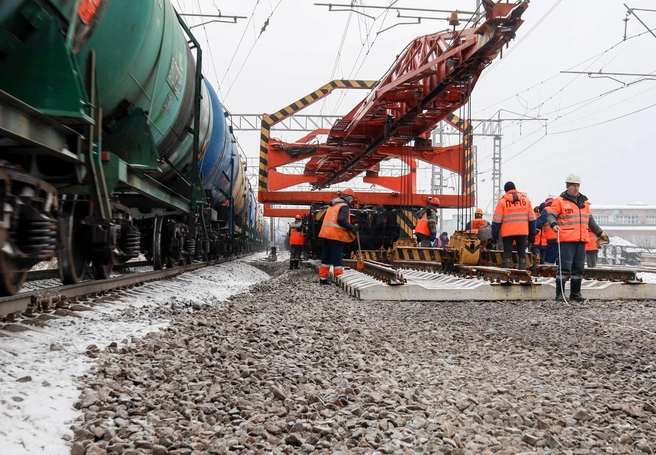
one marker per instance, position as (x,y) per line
(113,145)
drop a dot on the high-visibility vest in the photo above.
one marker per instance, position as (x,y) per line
(592,242)
(538,238)
(296,235)
(477,223)
(513,212)
(422,225)
(573,221)
(330,229)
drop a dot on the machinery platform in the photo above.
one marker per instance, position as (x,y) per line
(429,286)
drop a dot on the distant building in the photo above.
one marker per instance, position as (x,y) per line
(635,222)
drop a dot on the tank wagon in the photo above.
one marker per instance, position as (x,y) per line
(111,142)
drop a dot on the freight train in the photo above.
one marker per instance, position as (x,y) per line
(112,144)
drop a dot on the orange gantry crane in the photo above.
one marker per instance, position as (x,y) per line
(430,80)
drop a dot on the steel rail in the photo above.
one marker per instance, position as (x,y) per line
(46,274)
(51,296)
(379,271)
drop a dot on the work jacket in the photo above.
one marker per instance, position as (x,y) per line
(296,234)
(513,215)
(539,238)
(335,222)
(573,217)
(427,225)
(592,242)
(542,225)
(477,223)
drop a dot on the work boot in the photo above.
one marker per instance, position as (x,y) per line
(560,286)
(575,290)
(296,261)
(505,263)
(323,281)
(291,265)
(522,263)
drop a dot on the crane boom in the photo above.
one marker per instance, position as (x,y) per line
(431,79)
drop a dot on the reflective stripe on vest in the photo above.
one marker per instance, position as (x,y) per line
(330,229)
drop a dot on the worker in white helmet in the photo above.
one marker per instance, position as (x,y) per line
(570,217)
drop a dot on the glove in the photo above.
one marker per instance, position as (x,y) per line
(355,228)
(602,240)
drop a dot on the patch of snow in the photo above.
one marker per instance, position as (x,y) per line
(39,367)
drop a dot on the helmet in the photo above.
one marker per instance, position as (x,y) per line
(548,200)
(298,217)
(348,192)
(432,200)
(537,209)
(573,178)
(479,211)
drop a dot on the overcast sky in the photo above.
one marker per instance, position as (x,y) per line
(600,128)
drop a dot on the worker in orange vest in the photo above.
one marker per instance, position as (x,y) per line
(477,222)
(591,250)
(426,228)
(536,248)
(514,220)
(549,237)
(296,241)
(570,217)
(336,230)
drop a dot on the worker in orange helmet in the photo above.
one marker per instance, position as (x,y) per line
(296,241)
(514,220)
(477,222)
(426,228)
(336,230)
(571,219)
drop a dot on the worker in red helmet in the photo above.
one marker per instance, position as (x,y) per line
(336,230)
(426,228)
(296,241)
(571,219)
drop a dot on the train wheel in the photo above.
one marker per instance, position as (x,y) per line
(11,281)
(158,263)
(72,254)
(102,271)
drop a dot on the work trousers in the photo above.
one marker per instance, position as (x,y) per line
(331,253)
(591,258)
(508,245)
(295,252)
(572,260)
(424,240)
(551,251)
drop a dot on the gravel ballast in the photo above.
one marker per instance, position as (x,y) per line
(295,367)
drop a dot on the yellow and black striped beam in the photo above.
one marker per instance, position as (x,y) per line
(465,126)
(269,120)
(407,253)
(406,221)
